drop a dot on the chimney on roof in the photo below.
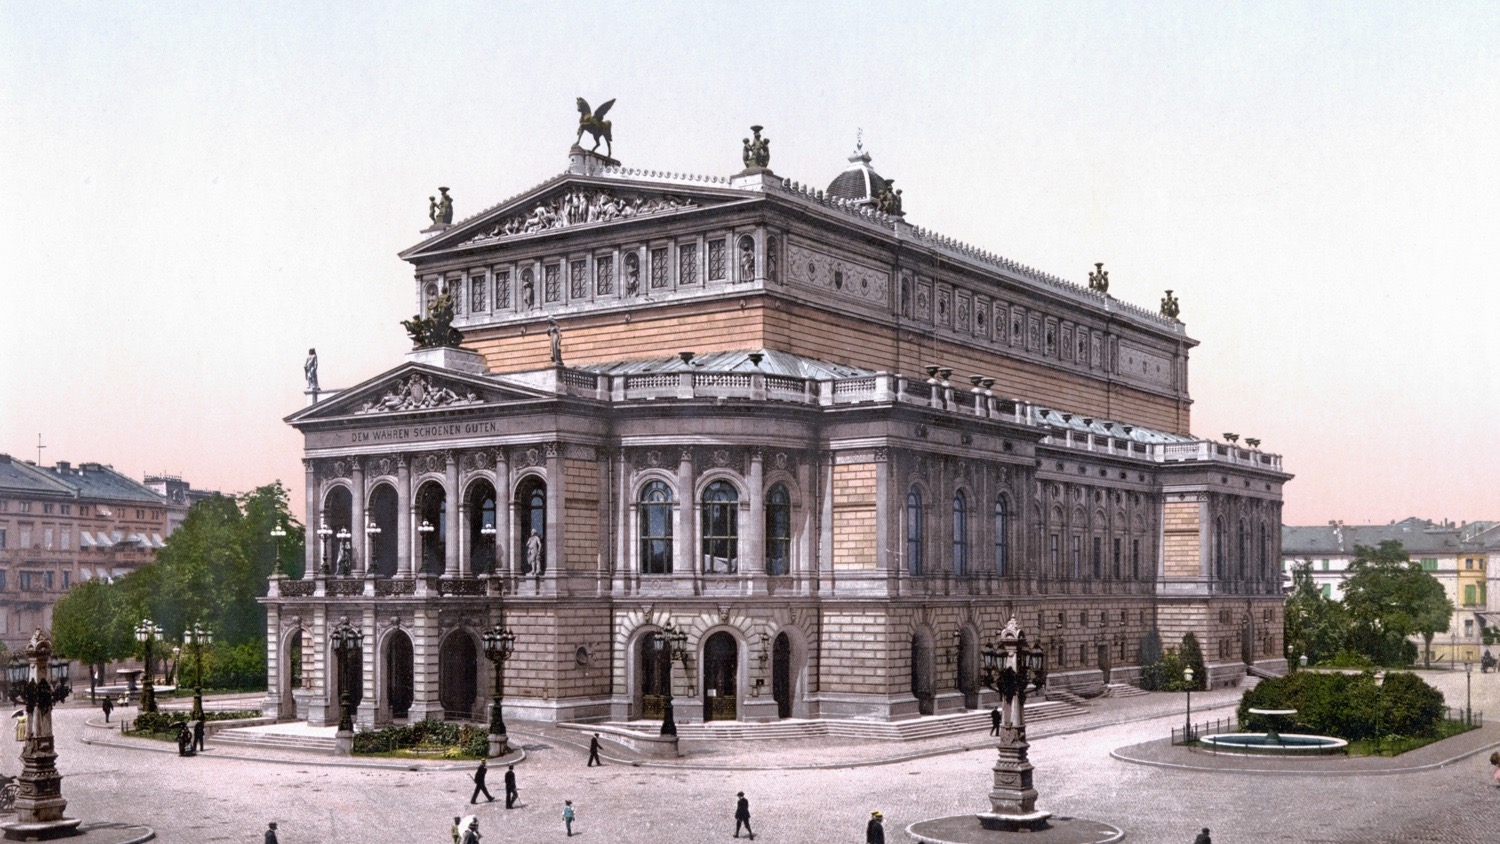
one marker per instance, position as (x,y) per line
(63,466)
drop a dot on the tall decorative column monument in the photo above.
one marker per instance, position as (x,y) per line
(40,804)
(1009,667)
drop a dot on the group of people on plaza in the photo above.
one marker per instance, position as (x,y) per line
(190,739)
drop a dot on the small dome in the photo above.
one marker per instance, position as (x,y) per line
(859,182)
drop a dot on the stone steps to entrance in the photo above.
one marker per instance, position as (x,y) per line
(1122,690)
(280,741)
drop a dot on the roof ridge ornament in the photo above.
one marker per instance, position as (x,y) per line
(1170,308)
(757,152)
(1099,278)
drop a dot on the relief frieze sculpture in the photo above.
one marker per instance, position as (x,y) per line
(577,207)
(417,392)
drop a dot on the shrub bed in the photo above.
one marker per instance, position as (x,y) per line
(426,738)
(163,726)
(1348,706)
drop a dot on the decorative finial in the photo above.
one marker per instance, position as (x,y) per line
(594,123)
(440,209)
(1234,438)
(1252,442)
(1099,278)
(757,151)
(1169,307)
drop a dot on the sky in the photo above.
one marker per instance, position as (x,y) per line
(199,192)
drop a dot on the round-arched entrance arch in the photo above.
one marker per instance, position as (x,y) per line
(721,665)
(432,528)
(399,678)
(480,505)
(293,672)
(381,542)
(458,676)
(923,679)
(335,555)
(654,674)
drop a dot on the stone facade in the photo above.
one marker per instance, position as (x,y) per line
(755,436)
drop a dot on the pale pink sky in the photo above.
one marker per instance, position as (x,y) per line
(196,193)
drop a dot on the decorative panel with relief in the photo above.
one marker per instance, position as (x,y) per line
(839,276)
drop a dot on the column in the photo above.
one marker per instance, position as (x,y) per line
(450,516)
(505,544)
(683,558)
(754,557)
(403,516)
(357,515)
(552,554)
(312,540)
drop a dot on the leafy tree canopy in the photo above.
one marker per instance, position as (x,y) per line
(1388,598)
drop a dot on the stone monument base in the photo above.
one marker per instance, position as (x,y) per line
(41,830)
(966,829)
(1031,821)
(95,832)
(343,743)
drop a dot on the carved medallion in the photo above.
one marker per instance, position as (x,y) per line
(721,457)
(780,460)
(483,460)
(533,456)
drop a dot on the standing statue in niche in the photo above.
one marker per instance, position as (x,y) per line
(534,561)
(1169,307)
(310,370)
(758,151)
(593,122)
(554,334)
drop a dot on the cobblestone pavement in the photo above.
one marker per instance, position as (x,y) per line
(216,798)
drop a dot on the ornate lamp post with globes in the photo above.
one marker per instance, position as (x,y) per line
(347,641)
(499,644)
(324,531)
(674,640)
(278,533)
(196,637)
(1187,683)
(147,632)
(1010,666)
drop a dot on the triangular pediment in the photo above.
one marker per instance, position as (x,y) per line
(415,388)
(575,202)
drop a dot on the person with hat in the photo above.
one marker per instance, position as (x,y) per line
(742,816)
(875,829)
(271,833)
(1203,837)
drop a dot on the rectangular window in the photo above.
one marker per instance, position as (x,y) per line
(687,263)
(1077,556)
(658,268)
(25,536)
(477,288)
(3,584)
(25,506)
(1135,559)
(2,538)
(1328,590)
(1098,558)
(67,579)
(1325,565)
(1468,627)
(1055,554)
(46,509)
(47,578)
(604,275)
(67,509)
(27,581)
(1471,594)
(577,280)
(1429,564)
(716,260)
(502,288)
(66,542)
(551,282)
(47,538)
(1119,557)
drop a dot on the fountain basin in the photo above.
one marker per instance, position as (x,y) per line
(1272,744)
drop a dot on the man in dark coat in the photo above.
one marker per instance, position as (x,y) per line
(742,816)
(1203,837)
(510,787)
(271,833)
(479,786)
(109,706)
(594,751)
(471,835)
(184,740)
(995,721)
(874,830)
(198,733)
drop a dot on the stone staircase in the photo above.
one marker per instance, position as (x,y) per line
(1123,690)
(1063,696)
(915,729)
(274,741)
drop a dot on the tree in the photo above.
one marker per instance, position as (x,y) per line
(89,625)
(1316,627)
(1389,598)
(1192,657)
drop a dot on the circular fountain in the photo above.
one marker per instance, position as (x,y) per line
(1273,742)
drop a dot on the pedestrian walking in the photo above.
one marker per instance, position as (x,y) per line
(995,721)
(271,833)
(1203,837)
(456,831)
(471,835)
(479,786)
(184,740)
(108,706)
(875,829)
(198,733)
(510,787)
(568,816)
(594,751)
(742,816)
(1495,761)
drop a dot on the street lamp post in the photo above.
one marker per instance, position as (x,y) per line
(1379,684)
(488,532)
(346,646)
(499,644)
(1187,681)
(278,533)
(1468,696)
(1010,666)
(196,637)
(372,530)
(425,528)
(324,531)
(344,552)
(674,641)
(147,632)
(39,803)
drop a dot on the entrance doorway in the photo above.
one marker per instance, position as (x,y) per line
(721,664)
(923,681)
(781,675)
(655,660)
(399,680)
(458,676)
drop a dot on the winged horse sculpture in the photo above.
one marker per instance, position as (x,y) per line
(594,123)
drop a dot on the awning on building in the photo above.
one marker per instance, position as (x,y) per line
(84,540)
(156,540)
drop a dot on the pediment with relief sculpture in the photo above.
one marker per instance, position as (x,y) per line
(415,388)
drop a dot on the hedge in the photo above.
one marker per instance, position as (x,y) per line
(1347,706)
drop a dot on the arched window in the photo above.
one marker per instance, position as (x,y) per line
(1219,547)
(1265,556)
(1243,562)
(960,534)
(656,528)
(1002,534)
(531,507)
(778,531)
(914,531)
(720,525)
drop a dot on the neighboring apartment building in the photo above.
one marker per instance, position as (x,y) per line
(1454,554)
(64,524)
(836,451)
(179,496)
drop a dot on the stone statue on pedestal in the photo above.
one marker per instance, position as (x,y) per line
(554,333)
(594,123)
(1169,307)
(757,153)
(310,370)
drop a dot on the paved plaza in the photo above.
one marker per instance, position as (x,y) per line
(803,791)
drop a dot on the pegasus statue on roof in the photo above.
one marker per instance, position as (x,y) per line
(594,123)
